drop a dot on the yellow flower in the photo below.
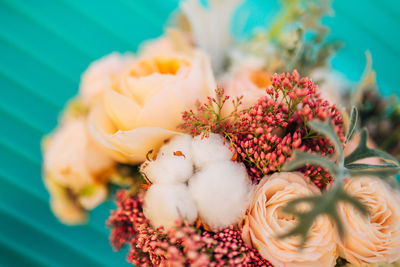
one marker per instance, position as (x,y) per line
(143,106)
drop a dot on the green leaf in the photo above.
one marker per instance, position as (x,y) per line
(352,124)
(362,152)
(326,128)
(300,159)
(361,166)
(381,173)
(325,204)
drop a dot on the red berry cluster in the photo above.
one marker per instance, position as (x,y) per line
(183,245)
(230,250)
(268,133)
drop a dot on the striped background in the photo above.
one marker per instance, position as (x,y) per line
(44,47)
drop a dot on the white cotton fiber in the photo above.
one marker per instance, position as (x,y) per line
(167,170)
(164,204)
(210,150)
(173,163)
(182,143)
(221,191)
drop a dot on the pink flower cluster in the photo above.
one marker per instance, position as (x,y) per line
(229,249)
(267,134)
(210,117)
(148,246)
(180,246)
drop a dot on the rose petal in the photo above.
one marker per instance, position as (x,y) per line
(122,110)
(138,142)
(265,219)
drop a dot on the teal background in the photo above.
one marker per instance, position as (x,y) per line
(44,47)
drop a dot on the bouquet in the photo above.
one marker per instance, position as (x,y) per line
(232,152)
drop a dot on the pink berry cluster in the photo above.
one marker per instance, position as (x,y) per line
(265,135)
(149,246)
(125,220)
(208,118)
(229,249)
(277,124)
(183,245)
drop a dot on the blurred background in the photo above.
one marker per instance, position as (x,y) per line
(45,45)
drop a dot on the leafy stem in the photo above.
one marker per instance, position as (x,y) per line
(340,169)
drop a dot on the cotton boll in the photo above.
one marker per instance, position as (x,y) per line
(179,146)
(167,170)
(208,150)
(221,191)
(164,204)
(173,163)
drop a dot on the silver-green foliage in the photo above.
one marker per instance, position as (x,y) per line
(340,168)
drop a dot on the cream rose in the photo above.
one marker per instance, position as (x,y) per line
(95,79)
(75,168)
(251,84)
(265,220)
(143,106)
(376,238)
(62,204)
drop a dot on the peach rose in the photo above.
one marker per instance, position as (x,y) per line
(265,220)
(75,168)
(143,106)
(251,84)
(95,79)
(375,238)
